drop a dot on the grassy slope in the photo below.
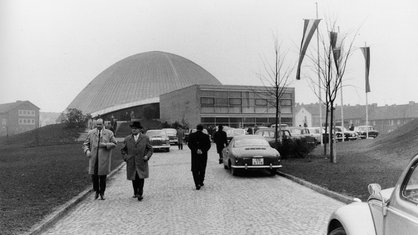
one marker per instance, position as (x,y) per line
(359,162)
(35,180)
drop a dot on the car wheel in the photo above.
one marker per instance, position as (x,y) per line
(233,170)
(338,231)
(168,150)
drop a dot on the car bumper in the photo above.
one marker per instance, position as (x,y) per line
(271,166)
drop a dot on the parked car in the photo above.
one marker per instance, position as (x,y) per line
(172,135)
(316,132)
(302,133)
(232,132)
(362,131)
(159,140)
(250,152)
(389,211)
(348,135)
(268,134)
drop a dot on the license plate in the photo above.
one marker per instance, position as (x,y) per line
(258,161)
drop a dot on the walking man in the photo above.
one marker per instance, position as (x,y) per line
(199,144)
(136,152)
(221,141)
(98,148)
(180,137)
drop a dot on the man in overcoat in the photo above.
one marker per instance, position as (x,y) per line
(199,144)
(136,152)
(221,141)
(98,148)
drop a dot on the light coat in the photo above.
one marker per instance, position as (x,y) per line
(136,155)
(101,154)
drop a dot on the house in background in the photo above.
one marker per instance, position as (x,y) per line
(18,117)
(384,118)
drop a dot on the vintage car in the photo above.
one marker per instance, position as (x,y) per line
(250,152)
(364,131)
(268,134)
(316,132)
(232,132)
(390,211)
(159,140)
(348,135)
(172,135)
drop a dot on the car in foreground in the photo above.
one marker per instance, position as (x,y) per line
(159,140)
(389,211)
(250,152)
(172,135)
(364,131)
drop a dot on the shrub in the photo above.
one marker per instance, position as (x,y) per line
(74,118)
(294,148)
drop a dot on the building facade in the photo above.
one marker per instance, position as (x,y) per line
(18,117)
(228,105)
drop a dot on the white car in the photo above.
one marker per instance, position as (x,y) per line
(392,211)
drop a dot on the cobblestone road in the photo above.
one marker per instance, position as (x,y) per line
(253,203)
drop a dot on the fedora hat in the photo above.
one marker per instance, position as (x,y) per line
(136,124)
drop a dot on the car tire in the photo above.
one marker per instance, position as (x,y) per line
(168,150)
(232,170)
(338,231)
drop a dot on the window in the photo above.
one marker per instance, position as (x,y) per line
(410,185)
(234,101)
(286,102)
(261,102)
(205,101)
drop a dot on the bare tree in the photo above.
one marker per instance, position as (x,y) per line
(335,50)
(275,79)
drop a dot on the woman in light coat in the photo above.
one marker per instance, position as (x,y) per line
(136,152)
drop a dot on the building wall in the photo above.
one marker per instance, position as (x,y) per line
(181,106)
(303,117)
(24,117)
(235,106)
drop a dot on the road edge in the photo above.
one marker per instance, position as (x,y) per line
(62,210)
(337,196)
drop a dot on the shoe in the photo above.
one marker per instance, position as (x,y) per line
(102,196)
(221,161)
(197,187)
(96,196)
(140,197)
(135,196)
(202,184)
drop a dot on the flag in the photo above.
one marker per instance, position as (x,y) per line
(366,53)
(336,49)
(309,28)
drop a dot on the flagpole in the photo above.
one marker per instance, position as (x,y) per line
(367,110)
(319,81)
(342,103)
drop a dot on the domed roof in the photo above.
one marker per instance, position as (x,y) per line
(139,79)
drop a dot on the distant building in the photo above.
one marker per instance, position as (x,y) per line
(228,105)
(18,117)
(384,118)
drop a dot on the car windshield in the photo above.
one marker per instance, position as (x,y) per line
(250,142)
(154,133)
(170,131)
(296,131)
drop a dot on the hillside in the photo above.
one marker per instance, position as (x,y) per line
(47,135)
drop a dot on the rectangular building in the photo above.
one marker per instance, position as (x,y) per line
(228,105)
(18,117)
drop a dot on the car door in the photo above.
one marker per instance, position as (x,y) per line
(402,212)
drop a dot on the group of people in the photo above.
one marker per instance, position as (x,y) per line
(136,151)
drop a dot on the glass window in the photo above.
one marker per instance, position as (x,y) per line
(286,102)
(221,102)
(235,94)
(261,102)
(235,101)
(205,101)
(208,119)
(207,109)
(410,186)
(221,120)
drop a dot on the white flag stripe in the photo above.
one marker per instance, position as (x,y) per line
(309,28)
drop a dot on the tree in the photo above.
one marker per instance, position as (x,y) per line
(330,64)
(276,79)
(75,118)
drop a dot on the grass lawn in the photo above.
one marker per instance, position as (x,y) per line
(35,180)
(359,163)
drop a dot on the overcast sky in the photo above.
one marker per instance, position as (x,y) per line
(51,49)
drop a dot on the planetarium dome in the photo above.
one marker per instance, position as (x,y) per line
(139,79)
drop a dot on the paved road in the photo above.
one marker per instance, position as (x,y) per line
(253,203)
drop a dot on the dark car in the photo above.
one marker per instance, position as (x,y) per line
(159,140)
(363,131)
(268,134)
(250,152)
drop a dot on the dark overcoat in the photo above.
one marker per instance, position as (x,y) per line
(221,140)
(199,140)
(104,156)
(133,153)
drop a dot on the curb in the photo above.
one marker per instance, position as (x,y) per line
(337,196)
(62,210)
